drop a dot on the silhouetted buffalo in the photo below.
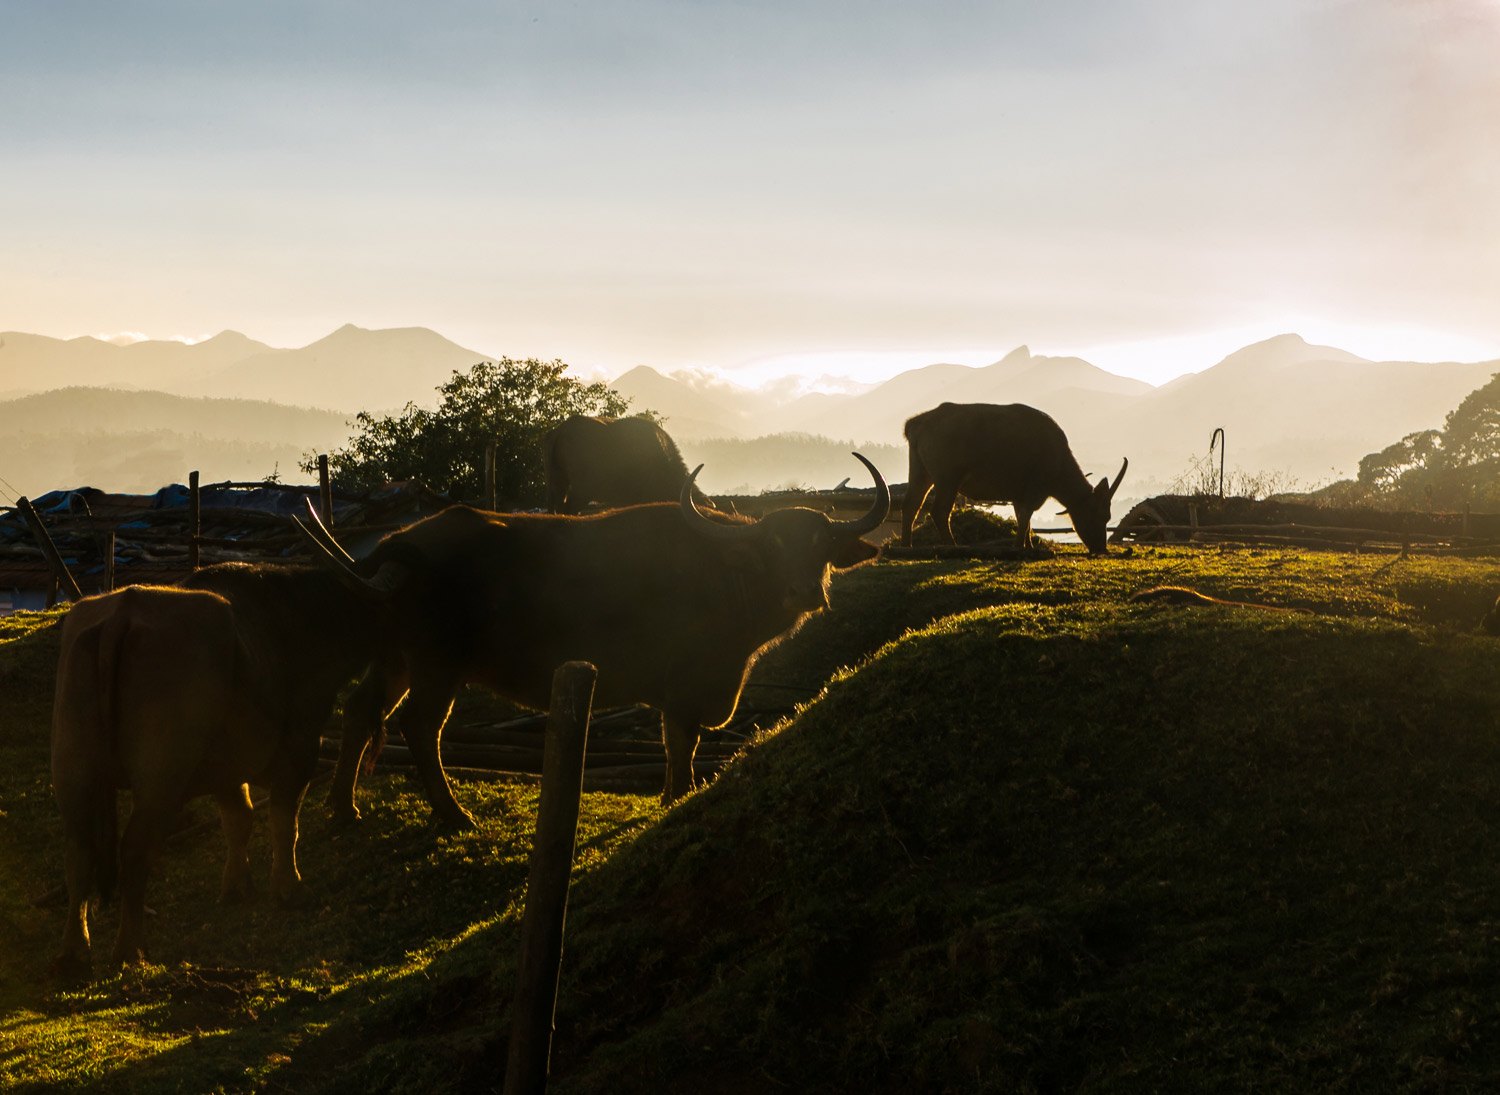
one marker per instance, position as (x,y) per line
(173,693)
(612,461)
(671,604)
(1000,453)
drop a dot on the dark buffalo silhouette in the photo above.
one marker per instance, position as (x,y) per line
(1000,453)
(173,693)
(670,603)
(612,461)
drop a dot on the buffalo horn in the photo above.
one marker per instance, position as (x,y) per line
(879,511)
(323,534)
(387,580)
(1125,463)
(711,529)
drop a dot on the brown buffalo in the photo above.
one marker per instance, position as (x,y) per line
(612,461)
(173,693)
(671,604)
(1000,453)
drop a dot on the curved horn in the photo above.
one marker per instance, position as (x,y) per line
(879,511)
(387,580)
(712,529)
(323,534)
(1125,463)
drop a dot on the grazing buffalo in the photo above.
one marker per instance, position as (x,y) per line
(612,461)
(670,603)
(1000,453)
(172,693)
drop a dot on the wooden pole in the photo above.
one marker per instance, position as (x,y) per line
(489,475)
(325,491)
(54,558)
(109,561)
(195,518)
(535,1005)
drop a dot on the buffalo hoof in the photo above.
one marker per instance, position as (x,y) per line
(291,896)
(457,823)
(128,956)
(70,969)
(236,893)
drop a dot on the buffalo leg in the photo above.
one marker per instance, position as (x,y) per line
(941,510)
(680,736)
(372,700)
(918,483)
(286,800)
(79,869)
(138,847)
(422,720)
(1024,538)
(236,815)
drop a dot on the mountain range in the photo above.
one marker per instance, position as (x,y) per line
(1304,411)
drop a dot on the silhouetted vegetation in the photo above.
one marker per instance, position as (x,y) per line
(1443,468)
(508,403)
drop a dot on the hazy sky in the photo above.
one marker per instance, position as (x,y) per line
(722,184)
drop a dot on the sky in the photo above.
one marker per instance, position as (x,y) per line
(760,186)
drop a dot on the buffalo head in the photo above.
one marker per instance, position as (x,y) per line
(792,550)
(1091,520)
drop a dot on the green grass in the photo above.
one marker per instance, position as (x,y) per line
(1029,837)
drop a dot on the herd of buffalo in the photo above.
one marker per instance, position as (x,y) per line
(229,678)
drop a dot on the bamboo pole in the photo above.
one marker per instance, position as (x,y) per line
(325,491)
(489,475)
(534,1008)
(195,518)
(60,572)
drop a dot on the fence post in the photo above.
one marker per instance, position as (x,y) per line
(60,572)
(489,475)
(109,561)
(535,1004)
(325,492)
(195,519)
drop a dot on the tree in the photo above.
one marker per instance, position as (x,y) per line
(510,404)
(1451,467)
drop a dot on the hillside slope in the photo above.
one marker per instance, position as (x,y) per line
(1044,839)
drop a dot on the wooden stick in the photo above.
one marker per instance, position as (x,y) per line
(109,561)
(325,491)
(60,572)
(535,1006)
(195,518)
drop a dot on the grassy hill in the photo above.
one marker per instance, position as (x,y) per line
(1028,836)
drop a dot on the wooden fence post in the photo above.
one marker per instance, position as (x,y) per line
(195,519)
(325,492)
(535,1004)
(489,475)
(60,573)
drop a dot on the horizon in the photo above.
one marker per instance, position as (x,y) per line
(1140,184)
(1156,362)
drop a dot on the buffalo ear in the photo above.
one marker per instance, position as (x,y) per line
(852,552)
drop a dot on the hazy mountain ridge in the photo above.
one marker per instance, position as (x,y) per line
(1309,412)
(137,440)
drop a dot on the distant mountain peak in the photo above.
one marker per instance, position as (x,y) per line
(1019,356)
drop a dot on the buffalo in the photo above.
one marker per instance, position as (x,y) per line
(612,461)
(672,605)
(1000,453)
(172,693)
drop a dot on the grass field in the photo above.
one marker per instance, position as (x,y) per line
(1024,835)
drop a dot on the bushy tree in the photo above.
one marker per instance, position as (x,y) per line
(1446,468)
(508,403)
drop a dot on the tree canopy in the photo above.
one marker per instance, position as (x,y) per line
(1447,467)
(508,403)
